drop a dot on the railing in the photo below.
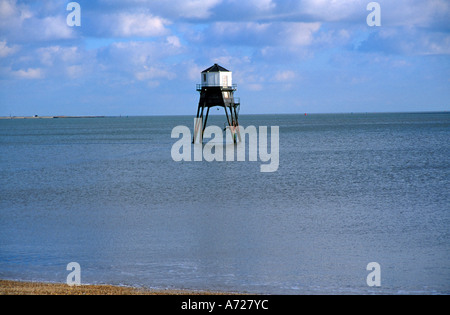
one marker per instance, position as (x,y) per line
(232,101)
(226,87)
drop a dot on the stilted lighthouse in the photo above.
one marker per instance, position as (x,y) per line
(217,89)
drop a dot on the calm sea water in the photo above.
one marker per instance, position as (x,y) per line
(350,190)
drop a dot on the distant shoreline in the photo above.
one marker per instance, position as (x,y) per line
(8,287)
(247,114)
(47,117)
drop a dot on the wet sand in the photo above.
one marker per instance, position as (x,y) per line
(39,288)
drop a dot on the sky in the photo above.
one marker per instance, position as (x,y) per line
(144,57)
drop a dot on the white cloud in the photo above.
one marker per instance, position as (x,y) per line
(333,10)
(12,15)
(135,53)
(258,5)
(193,70)
(18,23)
(74,71)
(266,34)
(415,13)
(226,31)
(142,25)
(56,54)
(126,24)
(142,61)
(174,41)
(149,73)
(195,8)
(52,28)
(264,5)
(254,87)
(6,50)
(299,34)
(30,73)
(407,41)
(64,62)
(170,9)
(7,8)
(284,76)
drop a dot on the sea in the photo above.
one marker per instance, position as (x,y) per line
(350,190)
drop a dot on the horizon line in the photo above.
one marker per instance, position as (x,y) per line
(183,115)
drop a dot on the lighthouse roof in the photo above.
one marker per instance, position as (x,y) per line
(216,68)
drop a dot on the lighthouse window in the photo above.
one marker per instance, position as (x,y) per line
(225,81)
(204,77)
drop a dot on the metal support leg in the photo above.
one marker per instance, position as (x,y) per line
(206,119)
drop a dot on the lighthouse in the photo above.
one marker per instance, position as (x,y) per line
(217,89)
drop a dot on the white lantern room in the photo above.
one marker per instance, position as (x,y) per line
(216,76)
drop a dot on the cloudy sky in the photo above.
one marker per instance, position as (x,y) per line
(144,57)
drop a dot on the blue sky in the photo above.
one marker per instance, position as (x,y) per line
(144,57)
